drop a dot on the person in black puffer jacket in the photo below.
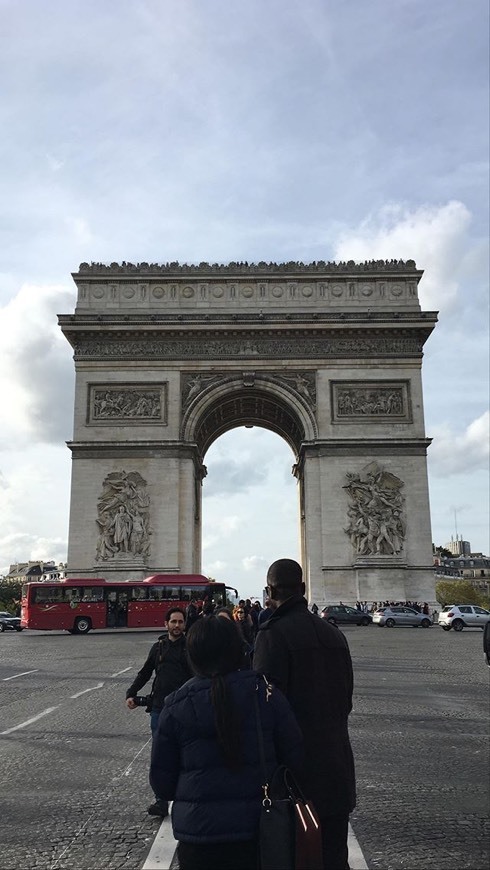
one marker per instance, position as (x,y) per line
(205,754)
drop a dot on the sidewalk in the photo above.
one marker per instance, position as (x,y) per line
(162,853)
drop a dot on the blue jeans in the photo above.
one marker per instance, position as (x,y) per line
(154,717)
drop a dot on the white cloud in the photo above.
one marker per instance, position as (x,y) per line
(255,563)
(23,547)
(434,236)
(458,454)
(211,569)
(36,373)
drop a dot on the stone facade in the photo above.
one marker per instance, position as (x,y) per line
(328,355)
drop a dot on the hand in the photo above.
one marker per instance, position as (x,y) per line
(131,704)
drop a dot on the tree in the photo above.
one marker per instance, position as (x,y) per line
(460,592)
(10,594)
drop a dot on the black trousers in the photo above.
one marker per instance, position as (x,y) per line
(334,835)
(218,856)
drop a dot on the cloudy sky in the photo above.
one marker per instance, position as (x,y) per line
(226,130)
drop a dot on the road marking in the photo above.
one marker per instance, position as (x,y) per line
(5,679)
(356,858)
(163,850)
(121,672)
(29,721)
(91,689)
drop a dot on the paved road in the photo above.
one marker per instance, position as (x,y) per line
(73,781)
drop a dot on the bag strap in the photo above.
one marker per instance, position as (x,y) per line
(266,802)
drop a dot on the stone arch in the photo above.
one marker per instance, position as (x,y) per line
(327,355)
(233,402)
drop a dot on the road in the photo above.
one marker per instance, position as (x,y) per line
(74,760)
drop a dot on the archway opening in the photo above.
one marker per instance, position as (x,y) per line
(250,508)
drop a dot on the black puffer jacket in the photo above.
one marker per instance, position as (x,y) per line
(310,662)
(213,804)
(168,659)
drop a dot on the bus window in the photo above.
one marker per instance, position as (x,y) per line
(49,595)
(139,594)
(215,596)
(93,594)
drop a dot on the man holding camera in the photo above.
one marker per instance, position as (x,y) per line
(167,658)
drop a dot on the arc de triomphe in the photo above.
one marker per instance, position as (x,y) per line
(327,355)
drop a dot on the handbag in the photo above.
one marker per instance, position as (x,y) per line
(289,829)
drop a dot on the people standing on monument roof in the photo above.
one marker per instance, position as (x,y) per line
(167,659)
(309,660)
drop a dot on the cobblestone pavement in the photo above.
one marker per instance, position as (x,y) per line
(74,782)
(420,736)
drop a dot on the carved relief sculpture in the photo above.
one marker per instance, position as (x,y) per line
(371,401)
(140,404)
(376,512)
(123,517)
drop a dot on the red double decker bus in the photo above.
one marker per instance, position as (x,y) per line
(79,605)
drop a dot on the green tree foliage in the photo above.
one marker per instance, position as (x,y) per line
(10,594)
(460,592)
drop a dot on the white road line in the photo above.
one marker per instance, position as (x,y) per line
(29,721)
(121,672)
(6,679)
(356,858)
(91,689)
(164,846)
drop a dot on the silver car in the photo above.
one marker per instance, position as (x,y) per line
(459,616)
(401,615)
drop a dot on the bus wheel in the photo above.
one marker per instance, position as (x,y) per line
(82,625)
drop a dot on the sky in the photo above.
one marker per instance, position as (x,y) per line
(220,130)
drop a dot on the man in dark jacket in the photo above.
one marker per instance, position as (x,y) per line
(167,658)
(309,660)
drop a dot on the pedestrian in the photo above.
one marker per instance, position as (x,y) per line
(267,612)
(309,660)
(206,757)
(245,628)
(167,659)
(191,615)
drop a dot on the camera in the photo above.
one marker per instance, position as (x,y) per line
(144,701)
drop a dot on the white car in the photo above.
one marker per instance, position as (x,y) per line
(459,616)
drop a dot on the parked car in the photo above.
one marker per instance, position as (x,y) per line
(459,616)
(9,621)
(401,615)
(342,613)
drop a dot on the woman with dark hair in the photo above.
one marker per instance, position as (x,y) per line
(205,754)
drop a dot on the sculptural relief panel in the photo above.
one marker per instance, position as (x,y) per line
(371,401)
(165,347)
(302,383)
(123,518)
(130,403)
(376,518)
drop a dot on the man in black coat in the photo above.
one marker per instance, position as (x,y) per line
(168,659)
(309,660)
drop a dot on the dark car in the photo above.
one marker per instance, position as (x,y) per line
(8,621)
(342,613)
